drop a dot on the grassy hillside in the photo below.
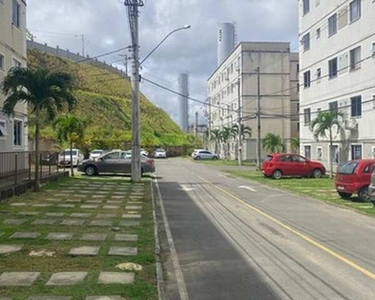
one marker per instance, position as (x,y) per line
(104,101)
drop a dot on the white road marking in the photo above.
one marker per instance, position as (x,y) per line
(185,188)
(175,261)
(246,188)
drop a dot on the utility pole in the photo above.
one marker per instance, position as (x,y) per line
(126,58)
(83,43)
(133,6)
(209,124)
(196,129)
(239,121)
(259,149)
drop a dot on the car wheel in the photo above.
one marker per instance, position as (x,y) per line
(198,158)
(277,174)
(363,194)
(344,195)
(91,171)
(317,173)
(214,158)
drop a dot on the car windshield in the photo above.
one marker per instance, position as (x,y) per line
(268,158)
(66,153)
(97,152)
(160,150)
(348,168)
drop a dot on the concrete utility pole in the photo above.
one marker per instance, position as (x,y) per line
(133,6)
(259,148)
(239,121)
(196,129)
(126,58)
(209,124)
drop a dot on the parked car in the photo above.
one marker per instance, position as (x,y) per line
(160,153)
(280,165)
(354,177)
(114,162)
(96,153)
(205,154)
(64,157)
(144,152)
(49,159)
(195,151)
(371,188)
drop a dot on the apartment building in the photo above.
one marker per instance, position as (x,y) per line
(337,72)
(234,85)
(13,130)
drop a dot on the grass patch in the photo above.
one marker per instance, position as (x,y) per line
(321,189)
(144,286)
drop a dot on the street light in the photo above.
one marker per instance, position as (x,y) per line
(163,40)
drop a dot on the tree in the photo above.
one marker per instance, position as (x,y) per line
(215,137)
(226,134)
(245,132)
(70,129)
(324,125)
(272,143)
(294,144)
(43,91)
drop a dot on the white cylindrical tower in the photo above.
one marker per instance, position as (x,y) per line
(226,41)
(183,105)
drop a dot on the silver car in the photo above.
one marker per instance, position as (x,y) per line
(204,154)
(371,188)
(114,162)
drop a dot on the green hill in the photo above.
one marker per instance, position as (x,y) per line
(104,100)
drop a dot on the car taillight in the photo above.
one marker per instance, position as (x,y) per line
(150,162)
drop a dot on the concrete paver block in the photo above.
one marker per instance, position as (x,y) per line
(94,201)
(66,205)
(18,278)
(4,249)
(126,237)
(101,223)
(93,237)
(111,207)
(89,206)
(73,222)
(43,222)
(42,205)
(116,278)
(84,251)
(29,213)
(67,278)
(19,204)
(25,235)
(131,216)
(129,223)
(106,216)
(60,236)
(123,251)
(14,221)
(80,215)
(54,215)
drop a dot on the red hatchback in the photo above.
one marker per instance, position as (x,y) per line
(354,177)
(279,165)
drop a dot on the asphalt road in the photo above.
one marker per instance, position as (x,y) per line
(235,239)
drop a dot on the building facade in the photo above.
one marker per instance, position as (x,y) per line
(13,130)
(337,69)
(234,85)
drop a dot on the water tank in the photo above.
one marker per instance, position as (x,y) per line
(226,41)
(183,104)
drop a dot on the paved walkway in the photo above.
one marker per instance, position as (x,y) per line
(80,224)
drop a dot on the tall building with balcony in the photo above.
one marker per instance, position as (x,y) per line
(234,85)
(337,73)
(13,130)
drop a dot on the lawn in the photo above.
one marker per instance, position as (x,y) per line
(321,189)
(106,193)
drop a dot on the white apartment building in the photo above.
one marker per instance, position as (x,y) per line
(337,72)
(13,130)
(234,84)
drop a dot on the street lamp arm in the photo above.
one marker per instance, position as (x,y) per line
(162,41)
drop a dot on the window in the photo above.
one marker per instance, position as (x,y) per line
(298,159)
(307,116)
(16,13)
(318,33)
(319,153)
(306,6)
(333,106)
(373,101)
(308,152)
(332,25)
(16,63)
(335,154)
(3,131)
(355,10)
(333,68)
(319,74)
(356,106)
(2,62)
(355,58)
(369,168)
(306,42)
(17,133)
(306,79)
(285,158)
(343,18)
(356,152)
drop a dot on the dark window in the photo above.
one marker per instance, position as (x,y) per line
(306,6)
(307,116)
(356,106)
(356,152)
(333,68)
(333,106)
(17,133)
(16,13)
(355,10)
(113,155)
(299,159)
(318,73)
(355,58)
(308,152)
(1,62)
(318,33)
(306,42)
(332,25)
(307,79)
(285,158)
(369,168)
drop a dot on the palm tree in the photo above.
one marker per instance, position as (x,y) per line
(272,143)
(245,132)
(226,134)
(323,125)
(294,144)
(215,137)
(43,90)
(70,129)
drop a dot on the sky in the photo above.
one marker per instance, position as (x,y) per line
(105,26)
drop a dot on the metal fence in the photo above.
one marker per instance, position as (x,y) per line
(18,167)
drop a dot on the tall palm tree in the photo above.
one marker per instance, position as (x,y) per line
(70,129)
(226,135)
(215,137)
(43,90)
(272,143)
(245,132)
(294,144)
(325,125)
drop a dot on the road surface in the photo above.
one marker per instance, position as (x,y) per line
(234,239)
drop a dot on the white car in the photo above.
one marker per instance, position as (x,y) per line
(204,154)
(144,152)
(195,152)
(64,157)
(96,153)
(160,153)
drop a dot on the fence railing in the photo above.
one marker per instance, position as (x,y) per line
(18,167)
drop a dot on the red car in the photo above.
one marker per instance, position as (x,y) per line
(354,177)
(279,165)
